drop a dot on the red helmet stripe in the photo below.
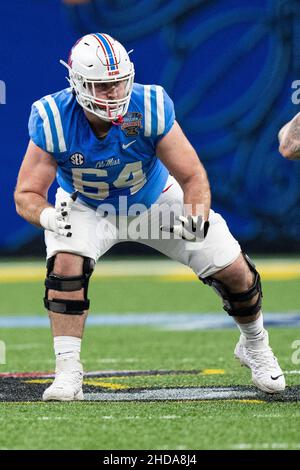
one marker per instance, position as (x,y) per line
(103,48)
(107,39)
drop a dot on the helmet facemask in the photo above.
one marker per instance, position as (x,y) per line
(106,109)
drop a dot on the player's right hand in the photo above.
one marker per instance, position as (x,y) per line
(56,219)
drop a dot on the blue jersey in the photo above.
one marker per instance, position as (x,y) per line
(124,163)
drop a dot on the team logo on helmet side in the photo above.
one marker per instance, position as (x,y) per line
(132,123)
(77,159)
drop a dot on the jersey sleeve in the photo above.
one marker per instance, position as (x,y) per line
(36,128)
(159,113)
(45,126)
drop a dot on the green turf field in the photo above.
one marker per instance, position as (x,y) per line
(193,358)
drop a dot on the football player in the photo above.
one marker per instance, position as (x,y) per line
(106,138)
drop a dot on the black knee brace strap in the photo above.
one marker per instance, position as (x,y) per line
(229,298)
(68,284)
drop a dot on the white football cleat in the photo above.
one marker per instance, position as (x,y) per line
(258,356)
(67,385)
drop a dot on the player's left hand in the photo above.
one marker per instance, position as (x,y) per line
(192,228)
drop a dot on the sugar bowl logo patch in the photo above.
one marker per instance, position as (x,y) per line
(132,123)
(77,159)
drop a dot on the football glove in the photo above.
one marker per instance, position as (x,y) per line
(56,219)
(192,228)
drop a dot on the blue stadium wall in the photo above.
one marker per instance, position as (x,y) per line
(229,66)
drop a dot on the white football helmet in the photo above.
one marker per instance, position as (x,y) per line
(99,59)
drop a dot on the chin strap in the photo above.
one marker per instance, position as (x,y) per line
(119,121)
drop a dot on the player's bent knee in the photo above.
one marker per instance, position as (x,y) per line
(63,283)
(67,264)
(231,299)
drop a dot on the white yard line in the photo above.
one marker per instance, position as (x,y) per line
(266,445)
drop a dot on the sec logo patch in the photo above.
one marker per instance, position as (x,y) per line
(77,159)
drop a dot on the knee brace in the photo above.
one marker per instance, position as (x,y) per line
(230,298)
(68,284)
